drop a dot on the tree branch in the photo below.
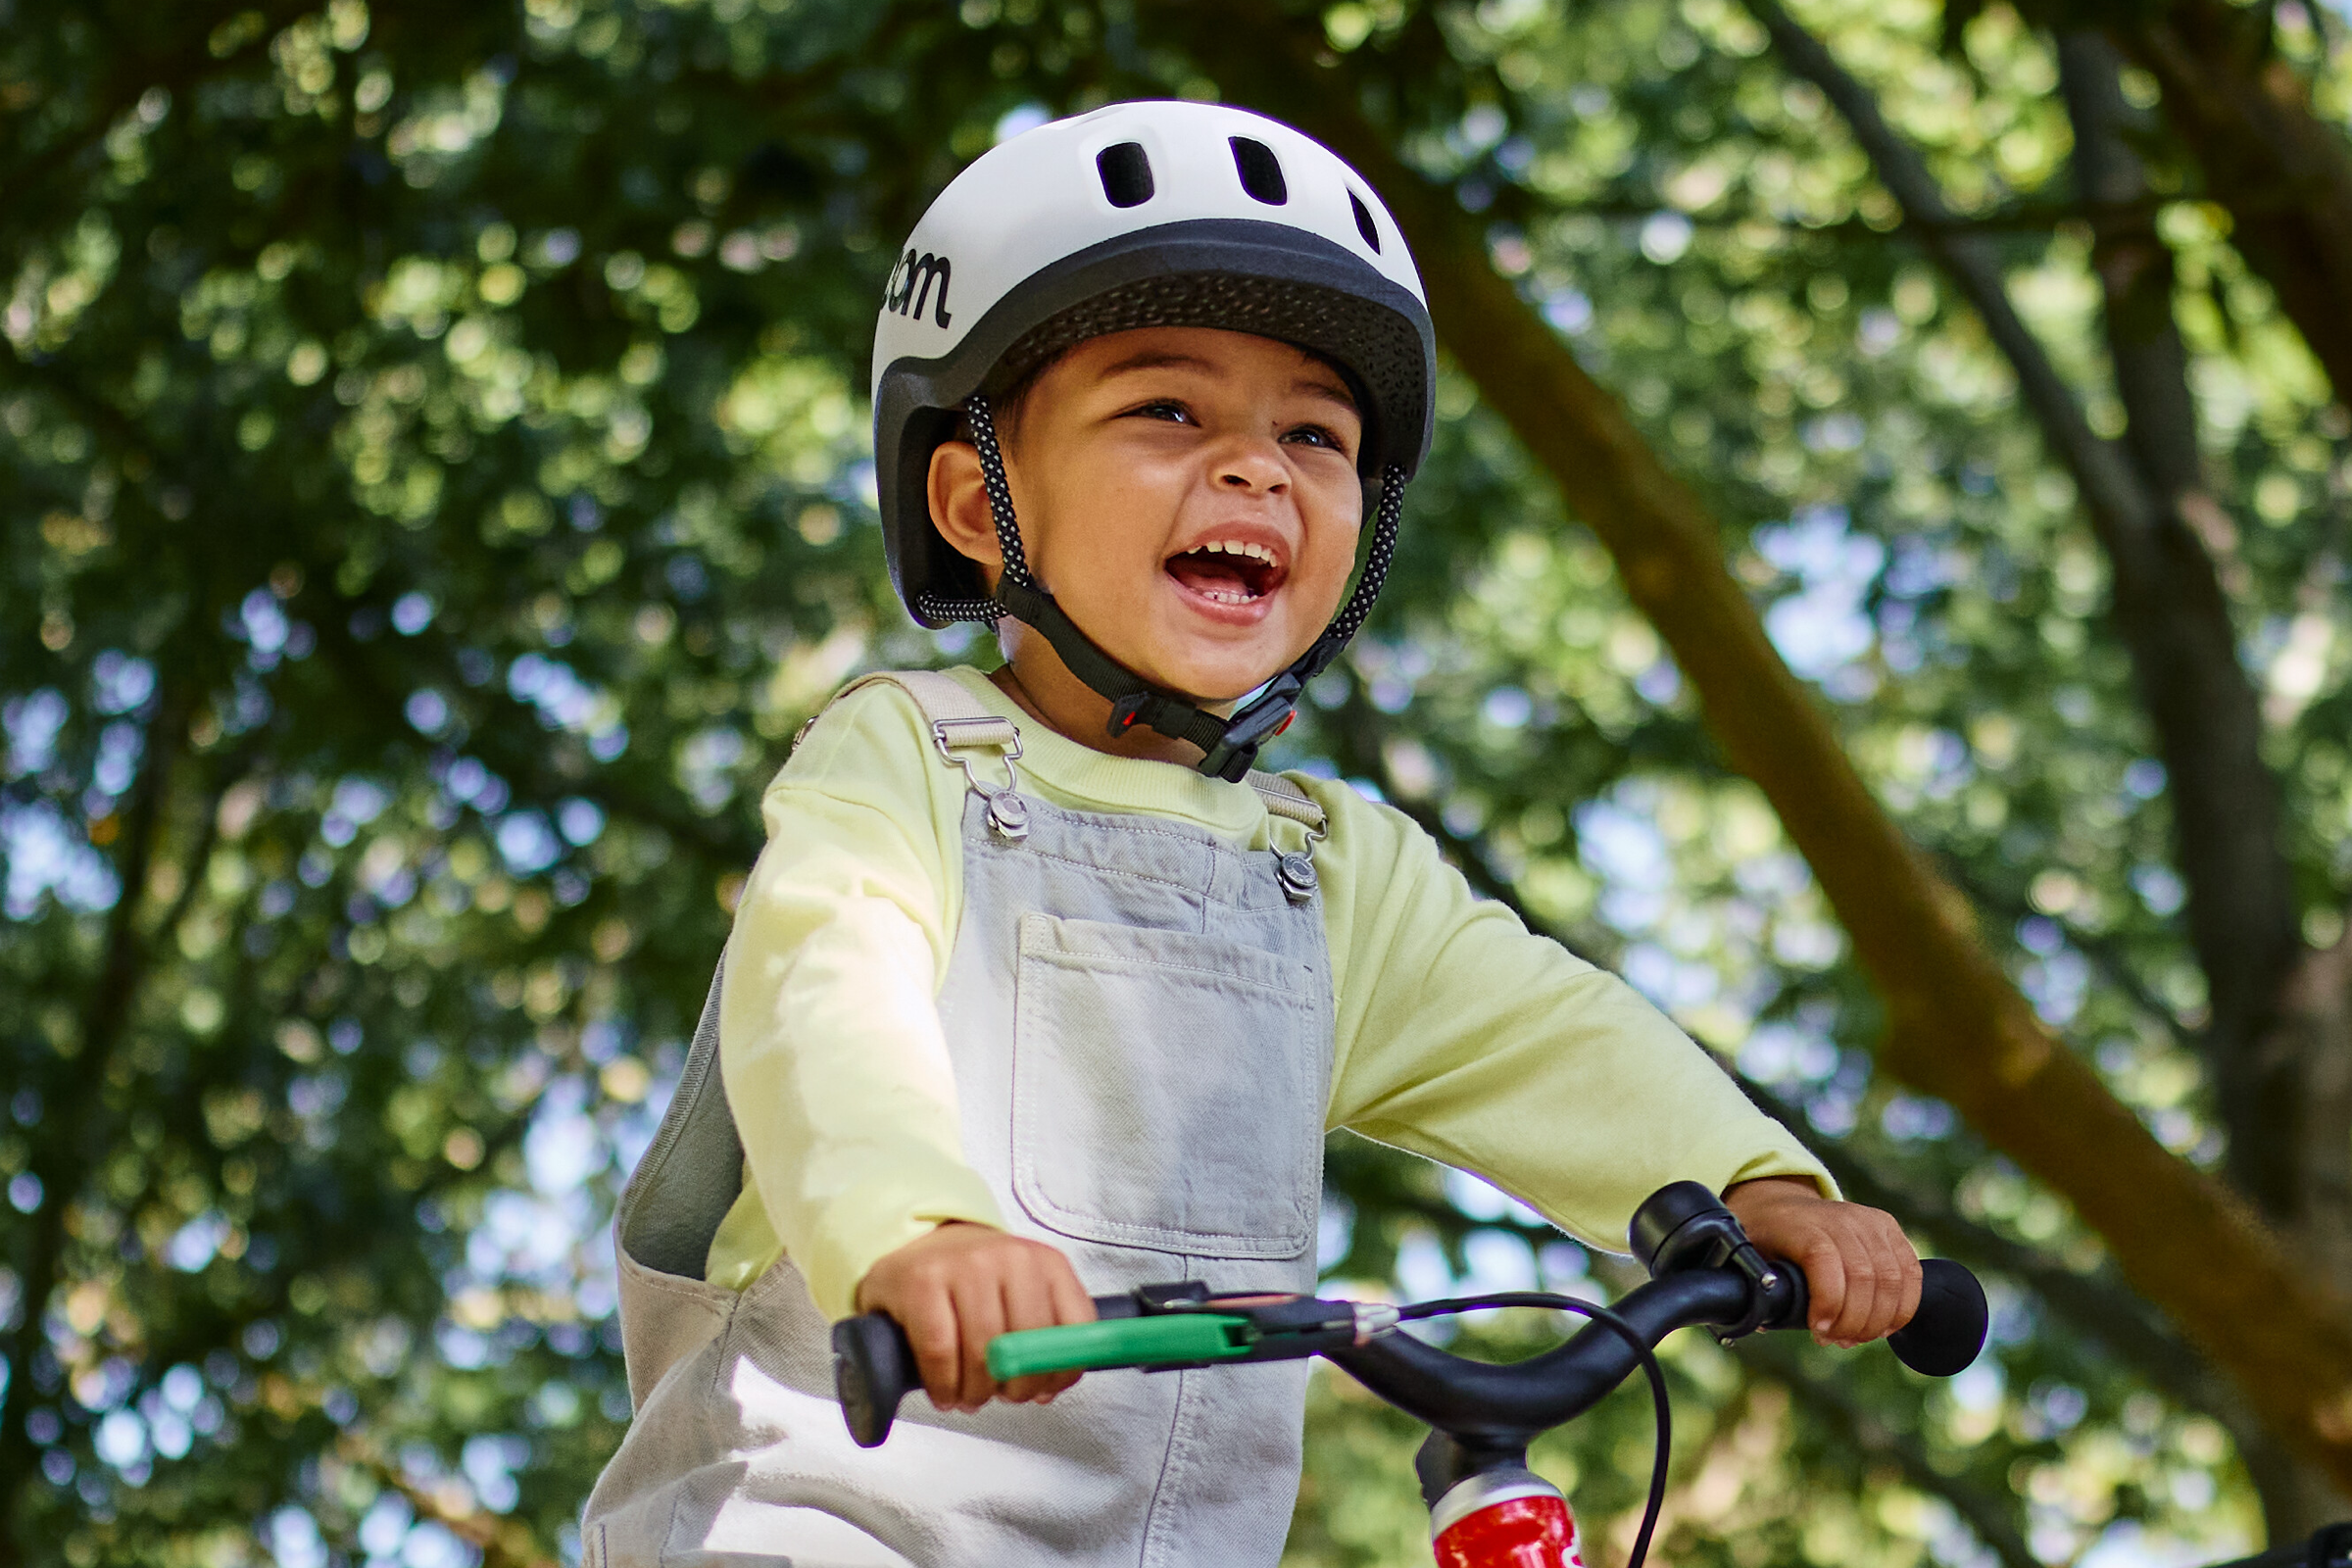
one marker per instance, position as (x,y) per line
(2283,173)
(63,1159)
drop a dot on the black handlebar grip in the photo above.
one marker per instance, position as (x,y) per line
(873,1366)
(873,1369)
(1946,1333)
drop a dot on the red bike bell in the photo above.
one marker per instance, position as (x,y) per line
(1504,1519)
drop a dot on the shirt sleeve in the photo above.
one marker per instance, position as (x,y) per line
(1464,1038)
(830,1044)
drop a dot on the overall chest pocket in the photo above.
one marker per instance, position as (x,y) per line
(1167,1089)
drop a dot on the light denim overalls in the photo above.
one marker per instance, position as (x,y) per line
(1140,1019)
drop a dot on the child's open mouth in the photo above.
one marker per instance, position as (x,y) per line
(1226,572)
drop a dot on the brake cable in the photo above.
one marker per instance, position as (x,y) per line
(1663,1449)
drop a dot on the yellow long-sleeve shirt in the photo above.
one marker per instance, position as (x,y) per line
(1459,1035)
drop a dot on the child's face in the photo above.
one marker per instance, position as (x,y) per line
(1136,454)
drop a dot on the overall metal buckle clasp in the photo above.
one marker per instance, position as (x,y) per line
(1008,812)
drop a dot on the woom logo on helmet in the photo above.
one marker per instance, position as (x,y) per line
(910,283)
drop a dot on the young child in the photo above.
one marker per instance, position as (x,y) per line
(1036,992)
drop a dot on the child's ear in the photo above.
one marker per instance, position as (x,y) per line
(959,498)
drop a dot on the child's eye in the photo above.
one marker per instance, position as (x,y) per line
(1163,408)
(1314,435)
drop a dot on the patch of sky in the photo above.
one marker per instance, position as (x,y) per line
(489,1461)
(1422,1271)
(46,856)
(2144,778)
(1667,980)
(2158,888)
(1568,310)
(2056,986)
(1841,430)
(1782,1053)
(707,761)
(119,682)
(263,625)
(1508,707)
(1910,1118)
(1484,126)
(526,843)
(197,1243)
(2038,934)
(119,745)
(1665,236)
(1915,568)
(1626,851)
(561,1149)
(468,783)
(563,700)
(170,1431)
(580,821)
(1020,117)
(120,1439)
(385,1526)
(1335,1232)
(1821,625)
(412,613)
(1498,1260)
(427,712)
(34,723)
(294,1539)
(2130,1543)
(1475,1197)
(356,802)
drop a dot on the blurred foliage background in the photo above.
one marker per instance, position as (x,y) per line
(435,475)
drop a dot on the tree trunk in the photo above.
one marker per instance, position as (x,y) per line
(2266,1038)
(2242,906)
(1958,1029)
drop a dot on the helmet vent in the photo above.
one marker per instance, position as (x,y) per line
(1260,170)
(1363,222)
(1127,174)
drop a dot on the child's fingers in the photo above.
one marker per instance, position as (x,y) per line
(1860,1267)
(1880,1270)
(1028,1295)
(1825,1287)
(980,1318)
(1914,1282)
(1071,1304)
(930,1325)
(1898,1269)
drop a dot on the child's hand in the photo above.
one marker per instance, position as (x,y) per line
(961,1286)
(1860,1270)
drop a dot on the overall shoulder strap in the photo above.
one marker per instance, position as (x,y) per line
(1287,800)
(958,720)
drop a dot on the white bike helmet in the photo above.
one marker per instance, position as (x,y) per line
(1141,215)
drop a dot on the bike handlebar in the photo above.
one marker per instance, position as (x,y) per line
(1708,1275)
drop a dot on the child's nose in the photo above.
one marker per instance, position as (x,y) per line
(1253,468)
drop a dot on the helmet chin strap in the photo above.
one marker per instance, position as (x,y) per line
(1228,745)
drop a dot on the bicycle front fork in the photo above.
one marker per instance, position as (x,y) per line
(1504,1518)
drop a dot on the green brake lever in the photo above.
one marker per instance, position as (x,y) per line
(1175,1339)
